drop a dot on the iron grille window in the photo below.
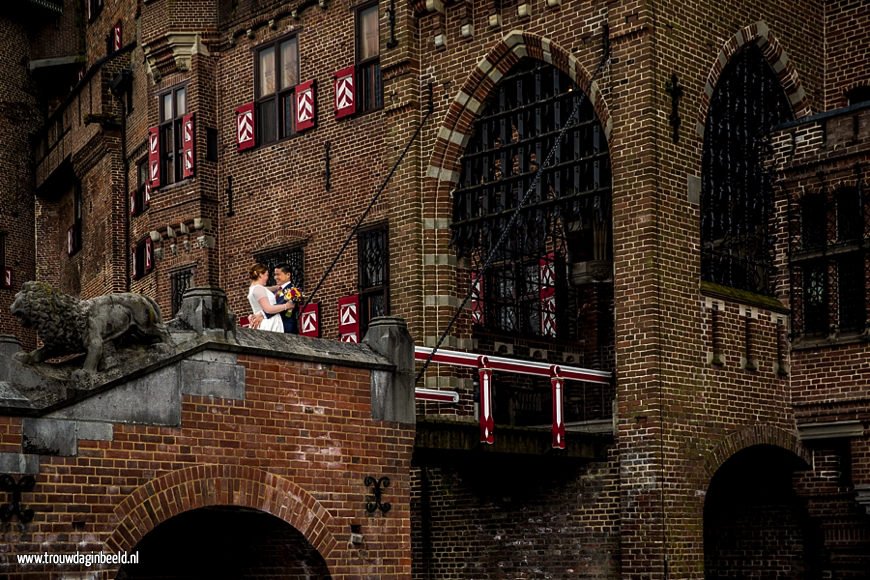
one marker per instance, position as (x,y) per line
(374,285)
(180,281)
(830,262)
(736,199)
(277,67)
(173,107)
(293,257)
(566,218)
(368,60)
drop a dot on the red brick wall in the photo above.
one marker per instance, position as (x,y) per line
(236,453)
(846,55)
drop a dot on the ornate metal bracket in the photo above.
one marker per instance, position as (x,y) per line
(15,507)
(373,502)
(676,91)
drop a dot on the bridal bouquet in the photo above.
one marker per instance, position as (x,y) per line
(291,294)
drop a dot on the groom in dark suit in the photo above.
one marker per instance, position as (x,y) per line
(289,318)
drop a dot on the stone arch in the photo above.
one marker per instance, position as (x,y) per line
(749,437)
(775,55)
(206,485)
(455,131)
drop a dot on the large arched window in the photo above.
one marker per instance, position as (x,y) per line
(736,199)
(556,258)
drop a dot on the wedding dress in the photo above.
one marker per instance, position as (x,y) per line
(273,324)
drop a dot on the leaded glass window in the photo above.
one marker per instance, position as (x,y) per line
(293,257)
(736,196)
(374,262)
(831,263)
(564,222)
(180,281)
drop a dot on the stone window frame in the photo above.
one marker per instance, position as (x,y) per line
(171,134)
(370,84)
(278,99)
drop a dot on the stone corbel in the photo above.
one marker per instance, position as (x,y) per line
(173,52)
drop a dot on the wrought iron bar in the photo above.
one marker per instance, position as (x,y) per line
(375,502)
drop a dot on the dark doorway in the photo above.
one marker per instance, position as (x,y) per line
(755,526)
(225,542)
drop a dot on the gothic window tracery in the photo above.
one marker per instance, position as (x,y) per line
(560,246)
(736,198)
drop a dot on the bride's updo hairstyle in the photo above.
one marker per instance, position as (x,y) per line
(256,270)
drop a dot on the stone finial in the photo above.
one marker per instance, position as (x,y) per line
(392,396)
(205,309)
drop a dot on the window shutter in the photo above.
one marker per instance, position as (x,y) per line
(188,138)
(149,255)
(348,318)
(245,127)
(147,198)
(7,277)
(345,92)
(309,321)
(133,268)
(116,37)
(547,273)
(133,203)
(477,309)
(154,156)
(305,106)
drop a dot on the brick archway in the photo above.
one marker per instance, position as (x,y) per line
(776,57)
(206,485)
(749,437)
(456,129)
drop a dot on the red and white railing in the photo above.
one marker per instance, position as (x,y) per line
(486,365)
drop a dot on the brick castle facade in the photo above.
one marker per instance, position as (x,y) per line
(699,230)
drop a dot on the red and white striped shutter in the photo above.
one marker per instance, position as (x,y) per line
(149,255)
(547,272)
(154,156)
(7,278)
(133,264)
(245,127)
(70,241)
(557,384)
(348,318)
(477,299)
(116,37)
(187,145)
(345,92)
(305,106)
(132,203)
(147,200)
(487,422)
(309,321)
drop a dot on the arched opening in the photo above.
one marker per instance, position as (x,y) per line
(547,291)
(736,190)
(755,525)
(225,542)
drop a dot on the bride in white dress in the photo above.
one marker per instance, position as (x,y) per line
(263,301)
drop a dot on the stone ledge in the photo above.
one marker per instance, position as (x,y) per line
(833,430)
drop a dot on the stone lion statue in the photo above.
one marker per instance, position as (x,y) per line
(68,325)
